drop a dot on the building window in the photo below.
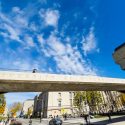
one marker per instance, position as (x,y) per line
(70,102)
(73,93)
(59,95)
(70,95)
(59,103)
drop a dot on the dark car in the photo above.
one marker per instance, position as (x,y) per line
(55,121)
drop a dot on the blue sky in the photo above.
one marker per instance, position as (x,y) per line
(61,36)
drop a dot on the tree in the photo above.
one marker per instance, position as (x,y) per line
(92,98)
(29,112)
(2,103)
(15,107)
(123,98)
(79,98)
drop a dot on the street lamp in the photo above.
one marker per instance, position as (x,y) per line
(41,115)
(34,71)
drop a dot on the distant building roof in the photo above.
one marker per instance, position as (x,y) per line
(119,46)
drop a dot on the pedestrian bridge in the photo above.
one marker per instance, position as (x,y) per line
(37,82)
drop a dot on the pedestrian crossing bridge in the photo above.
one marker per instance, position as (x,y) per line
(37,82)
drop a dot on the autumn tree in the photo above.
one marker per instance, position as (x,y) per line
(2,103)
(92,98)
(123,98)
(29,112)
(79,98)
(15,107)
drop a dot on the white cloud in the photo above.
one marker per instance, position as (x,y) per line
(4,34)
(33,27)
(20,18)
(57,48)
(29,41)
(16,10)
(41,39)
(13,33)
(25,64)
(22,21)
(68,59)
(12,29)
(50,17)
(89,42)
(67,39)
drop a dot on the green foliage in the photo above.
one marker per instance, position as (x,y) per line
(123,98)
(2,118)
(2,103)
(2,99)
(79,98)
(92,98)
(29,112)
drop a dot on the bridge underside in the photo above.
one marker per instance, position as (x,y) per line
(37,82)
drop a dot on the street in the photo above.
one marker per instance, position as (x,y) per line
(116,120)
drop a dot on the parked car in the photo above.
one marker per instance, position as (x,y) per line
(91,116)
(55,121)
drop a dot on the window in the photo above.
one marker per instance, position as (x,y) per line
(70,95)
(70,102)
(59,103)
(59,95)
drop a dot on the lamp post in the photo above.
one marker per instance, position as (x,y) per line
(41,115)
(80,101)
(34,71)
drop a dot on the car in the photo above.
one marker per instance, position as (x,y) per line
(55,121)
(91,116)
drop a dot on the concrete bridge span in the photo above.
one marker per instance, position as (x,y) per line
(37,82)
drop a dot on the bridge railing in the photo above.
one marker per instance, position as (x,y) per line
(41,71)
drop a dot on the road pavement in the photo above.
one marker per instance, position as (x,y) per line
(116,120)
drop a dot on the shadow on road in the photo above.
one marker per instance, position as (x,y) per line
(113,120)
(103,122)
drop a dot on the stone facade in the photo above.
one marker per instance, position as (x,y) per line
(26,105)
(54,103)
(50,104)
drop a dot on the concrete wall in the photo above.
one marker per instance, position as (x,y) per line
(60,103)
(26,105)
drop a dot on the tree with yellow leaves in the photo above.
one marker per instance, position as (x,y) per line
(15,107)
(29,112)
(123,98)
(2,104)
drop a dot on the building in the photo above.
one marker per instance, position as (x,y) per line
(50,104)
(40,104)
(35,109)
(26,105)
(30,111)
(119,56)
